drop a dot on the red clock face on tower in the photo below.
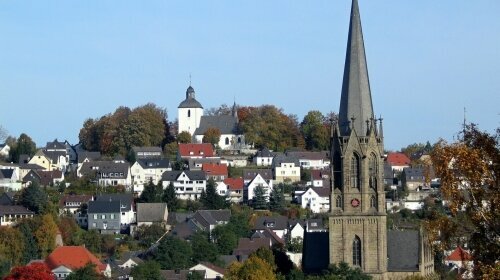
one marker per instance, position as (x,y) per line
(355,202)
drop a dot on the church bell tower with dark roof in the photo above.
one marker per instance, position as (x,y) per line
(357,222)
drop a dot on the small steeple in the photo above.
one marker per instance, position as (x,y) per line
(380,129)
(356,100)
(190,94)
(235,111)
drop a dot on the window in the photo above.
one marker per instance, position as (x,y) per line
(95,216)
(112,216)
(373,202)
(239,140)
(103,216)
(227,141)
(355,180)
(338,201)
(189,113)
(373,171)
(356,251)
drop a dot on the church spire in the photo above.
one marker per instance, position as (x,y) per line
(234,111)
(356,100)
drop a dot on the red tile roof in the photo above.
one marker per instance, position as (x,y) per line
(398,159)
(214,169)
(73,257)
(196,150)
(459,254)
(81,198)
(234,183)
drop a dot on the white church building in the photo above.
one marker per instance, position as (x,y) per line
(192,120)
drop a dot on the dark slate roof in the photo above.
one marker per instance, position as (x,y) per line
(105,167)
(388,173)
(154,163)
(47,177)
(264,153)
(178,274)
(31,166)
(225,123)
(314,224)
(92,156)
(309,155)
(178,217)
(125,199)
(24,158)
(315,255)
(14,209)
(183,230)
(206,218)
(249,174)
(267,233)
(104,207)
(246,246)
(31,176)
(151,212)
(55,145)
(55,155)
(6,173)
(403,250)
(147,149)
(278,160)
(274,223)
(192,175)
(321,191)
(190,101)
(356,99)
(7,198)
(78,198)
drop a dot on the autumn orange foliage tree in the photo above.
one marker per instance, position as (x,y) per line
(469,170)
(38,271)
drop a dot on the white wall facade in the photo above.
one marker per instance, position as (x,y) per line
(189,119)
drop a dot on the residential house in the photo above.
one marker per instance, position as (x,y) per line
(9,179)
(316,198)
(122,266)
(217,172)
(315,225)
(191,151)
(24,169)
(8,198)
(278,224)
(413,178)
(72,203)
(254,178)
(460,259)
(152,213)
(147,170)
(66,259)
(207,220)
(235,160)
(147,152)
(104,216)
(107,173)
(389,176)
(263,157)
(50,178)
(221,188)
(41,159)
(286,169)
(211,271)
(127,206)
(10,214)
(4,151)
(247,246)
(86,156)
(197,163)
(58,153)
(269,234)
(296,229)
(187,184)
(234,189)
(311,160)
(398,161)
(319,178)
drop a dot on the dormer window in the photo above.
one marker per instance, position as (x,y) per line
(270,224)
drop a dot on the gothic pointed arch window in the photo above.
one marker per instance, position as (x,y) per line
(356,251)
(355,172)
(372,171)
(338,201)
(337,171)
(227,141)
(373,202)
(189,113)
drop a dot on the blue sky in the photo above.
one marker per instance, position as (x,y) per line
(62,62)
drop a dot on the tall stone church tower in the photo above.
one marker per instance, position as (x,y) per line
(357,222)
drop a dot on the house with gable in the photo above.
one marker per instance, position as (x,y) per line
(105,217)
(315,198)
(217,172)
(234,189)
(263,157)
(66,259)
(107,173)
(311,160)
(286,169)
(10,214)
(58,153)
(277,224)
(207,220)
(145,170)
(187,184)
(41,159)
(197,163)
(86,156)
(398,161)
(461,260)
(4,151)
(9,179)
(211,271)
(127,206)
(319,178)
(193,151)
(254,178)
(50,178)
(152,213)
(71,203)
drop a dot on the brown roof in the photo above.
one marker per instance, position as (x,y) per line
(82,198)
(234,183)
(397,159)
(213,267)
(246,246)
(321,191)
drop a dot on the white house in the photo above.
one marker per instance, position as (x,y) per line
(254,178)
(4,150)
(222,189)
(311,160)
(316,199)
(187,184)
(107,173)
(263,157)
(145,170)
(296,229)
(127,206)
(10,214)
(9,179)
(211,271)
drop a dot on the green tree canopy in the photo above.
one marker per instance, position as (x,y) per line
(203,249)
(314,128)
(184,137)
(277,199)
(170,198)
(148,270)
(174,253)
(268,126)
(211,199)
(225,239)
(87,272)
(152,193)
(23,145)
(212,136)
(117,133)
(34,198)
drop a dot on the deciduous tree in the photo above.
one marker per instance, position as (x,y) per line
(45,235)
(470,170)
(314,128)
(11,245)
(147,270)
(38,271)
(212,136)
(173,253)
(24,145)
(203,249)
(184,137)
(254,268)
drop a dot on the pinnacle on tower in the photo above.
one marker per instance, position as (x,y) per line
(356,100)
